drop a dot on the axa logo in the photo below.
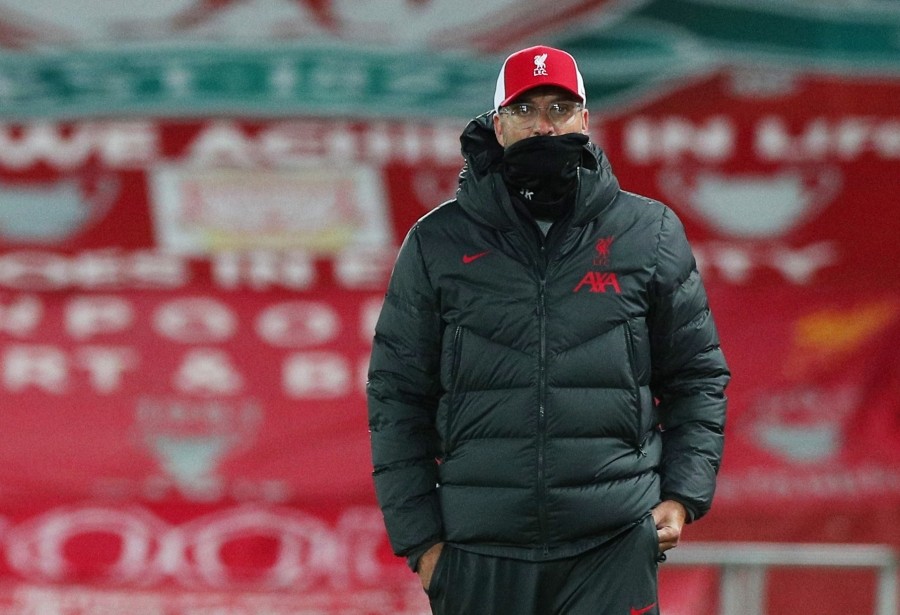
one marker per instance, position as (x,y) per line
(599,282)
(540,64)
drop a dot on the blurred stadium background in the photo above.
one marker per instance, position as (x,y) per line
(200,201)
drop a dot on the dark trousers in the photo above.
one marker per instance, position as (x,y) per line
(616,578)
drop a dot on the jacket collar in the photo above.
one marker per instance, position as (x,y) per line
(483,194)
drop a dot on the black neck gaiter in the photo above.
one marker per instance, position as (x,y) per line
(543,170)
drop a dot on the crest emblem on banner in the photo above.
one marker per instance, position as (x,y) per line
(804,425)
(190,438)
(52,212)
(753,205)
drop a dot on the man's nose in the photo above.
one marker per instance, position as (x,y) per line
(543,126)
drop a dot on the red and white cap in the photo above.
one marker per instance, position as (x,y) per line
(534,67)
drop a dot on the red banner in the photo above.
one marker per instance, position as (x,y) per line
(186,310)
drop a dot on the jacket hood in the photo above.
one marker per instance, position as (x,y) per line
(483,194)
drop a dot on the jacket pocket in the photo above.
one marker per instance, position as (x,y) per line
(437,584)
(648,525)
(454,389)
(635,386)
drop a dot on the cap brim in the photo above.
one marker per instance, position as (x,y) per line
(512,97)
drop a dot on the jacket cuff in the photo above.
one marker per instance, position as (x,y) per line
(413,557)
(689,509)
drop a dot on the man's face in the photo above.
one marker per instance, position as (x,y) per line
(509,130)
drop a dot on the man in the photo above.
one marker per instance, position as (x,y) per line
(546,387)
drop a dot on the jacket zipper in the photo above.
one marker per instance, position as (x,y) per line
(542,417)
(543,266)
(639,427)
(542,263)
(454,386)
(544,255)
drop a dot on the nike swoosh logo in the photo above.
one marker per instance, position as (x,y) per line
(635,611)
(468,258)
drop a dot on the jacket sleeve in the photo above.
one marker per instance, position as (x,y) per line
(402,391)
(689,374)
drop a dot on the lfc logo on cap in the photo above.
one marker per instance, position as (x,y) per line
(540,64)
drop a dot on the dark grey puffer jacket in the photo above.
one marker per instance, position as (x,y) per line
(530,400)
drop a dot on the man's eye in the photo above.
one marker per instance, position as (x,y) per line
(523,110)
